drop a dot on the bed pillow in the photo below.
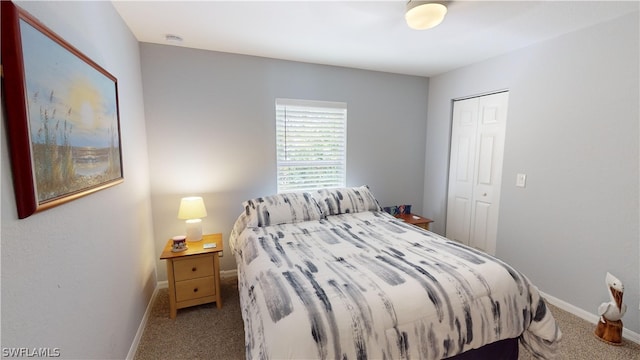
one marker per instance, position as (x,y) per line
(346,200)
(286,208)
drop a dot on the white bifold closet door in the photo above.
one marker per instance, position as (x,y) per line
(475,170)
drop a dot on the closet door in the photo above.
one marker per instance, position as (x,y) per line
(461,168)
(475,170)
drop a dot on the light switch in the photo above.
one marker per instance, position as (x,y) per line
(521,180)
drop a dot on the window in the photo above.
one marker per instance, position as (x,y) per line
(311,144)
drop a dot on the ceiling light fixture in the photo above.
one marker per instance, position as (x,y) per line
(422,15)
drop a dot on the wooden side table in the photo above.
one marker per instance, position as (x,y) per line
(416,220)
(194,274)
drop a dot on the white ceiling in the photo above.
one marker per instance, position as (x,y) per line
(363,34)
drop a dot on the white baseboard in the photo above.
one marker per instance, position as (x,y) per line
(583,314)
(224,274)
(143,324)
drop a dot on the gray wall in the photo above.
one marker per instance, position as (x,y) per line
(79,276)
(573,129)
(211,131)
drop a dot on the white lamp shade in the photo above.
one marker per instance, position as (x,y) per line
(192,208)
(422,15)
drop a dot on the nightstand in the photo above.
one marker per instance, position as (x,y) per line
(416,220)
(193,274)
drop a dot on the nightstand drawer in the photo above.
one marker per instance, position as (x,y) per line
(195,288)
(192,268)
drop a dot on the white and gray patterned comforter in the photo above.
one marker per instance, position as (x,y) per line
(366,285)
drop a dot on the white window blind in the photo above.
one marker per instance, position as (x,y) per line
(311,142)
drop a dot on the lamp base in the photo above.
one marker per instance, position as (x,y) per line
(194,230)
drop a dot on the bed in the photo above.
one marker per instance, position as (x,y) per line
(329,275)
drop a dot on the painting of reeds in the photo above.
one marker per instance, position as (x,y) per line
(73,126)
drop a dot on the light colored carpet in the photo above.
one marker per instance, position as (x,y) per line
(206,332)
(580,343)
(198,332)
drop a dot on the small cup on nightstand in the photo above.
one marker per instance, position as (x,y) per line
(179,243)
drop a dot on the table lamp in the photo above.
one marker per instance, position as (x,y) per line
(192,210)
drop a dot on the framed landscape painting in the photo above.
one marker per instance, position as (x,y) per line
(62,116)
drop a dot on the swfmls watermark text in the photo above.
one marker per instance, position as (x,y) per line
(31,352)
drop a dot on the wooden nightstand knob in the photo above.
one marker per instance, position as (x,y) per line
(194,269)
(195,290)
